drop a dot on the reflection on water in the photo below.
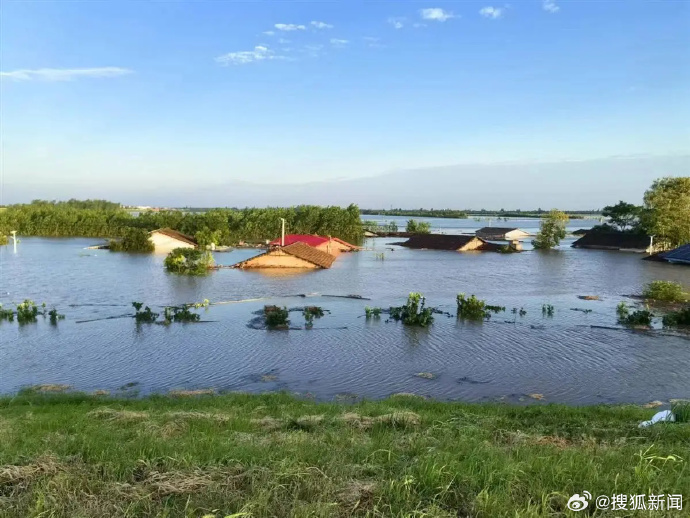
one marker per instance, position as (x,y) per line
(563,357)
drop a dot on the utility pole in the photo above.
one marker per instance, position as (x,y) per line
(282,234)
(14,240)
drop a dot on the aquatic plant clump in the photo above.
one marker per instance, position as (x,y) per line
(145,316)
(471,307)
(188,261)
(55,316)
(27,312)
(372,312)
(6,314)
(310,313)
(179,314)
(640,318)
(622,310)
(276,317)
(547,310)
(665,291)
(677,318)
(414,312)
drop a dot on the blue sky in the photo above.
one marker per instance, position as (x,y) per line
(114,94)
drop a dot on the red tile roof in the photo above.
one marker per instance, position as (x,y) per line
(300,250)
(307,239)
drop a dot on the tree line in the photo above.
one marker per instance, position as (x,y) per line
(98,218)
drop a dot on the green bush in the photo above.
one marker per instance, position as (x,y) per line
(664,291)
(372,312)
(414,313)
(4,239)
(179,314)
(133,240)
(55,316)
(276,318)
(145,316)
(27,312)
(418,227)
(189,261)
(677,318)
(641,318)
(471,308)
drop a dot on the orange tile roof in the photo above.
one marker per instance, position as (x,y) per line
(309,254)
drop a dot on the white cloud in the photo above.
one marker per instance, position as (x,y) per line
(289,27)
(260,53)
(372,42)
(283,41)
(436,13)
(339,43)
(397,22)
(269,33)
(550,6)
(321,25)
(313,51)
(491,12)
(65,74)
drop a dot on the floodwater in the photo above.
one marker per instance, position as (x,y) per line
(573,357)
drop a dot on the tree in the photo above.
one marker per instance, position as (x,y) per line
(552,230)
(667,211)
(624,216)
(134,240)
(189,261)
(418,227)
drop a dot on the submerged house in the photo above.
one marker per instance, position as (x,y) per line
(330,245)
(296,255)
(623,241)
(680,255)
(456,243)
(501,234)
(165,240)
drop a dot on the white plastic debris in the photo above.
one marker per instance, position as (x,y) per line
(665,416)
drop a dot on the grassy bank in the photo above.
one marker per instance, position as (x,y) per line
(72,455)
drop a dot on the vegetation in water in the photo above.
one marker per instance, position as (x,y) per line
(679,318)
(372,312)
(6,314)
(97,218)
(310,313)
(372,226)
(380,256)
(508,249)
(623,216)
(418,227)
(471,307)
(276,317)
(547,310)
(134,240)
(54,316)
(418,213)
(144,316)
(664,291)
(179,314)
(622,310)
(235,454)
(189,261)
(27,312)
(414,312)
(203,304)
(551,231)
(639,318)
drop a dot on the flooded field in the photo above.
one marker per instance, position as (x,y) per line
(564,358)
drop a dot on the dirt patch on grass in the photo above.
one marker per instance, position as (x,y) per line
(653,404)
(200,416)
(101,393)
(393,419)
(112,414)
(268,423)
(357,494)
(552,440)
(12,474)
(192,393)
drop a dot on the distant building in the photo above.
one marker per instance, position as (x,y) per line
(501,234)
(680,255)
(296,255)
(165,240)
(622,241)
(456,243)
(330,245)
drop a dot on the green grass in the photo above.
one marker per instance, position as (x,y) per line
(665,291)
(73,455)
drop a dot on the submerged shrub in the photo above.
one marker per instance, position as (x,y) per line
(547,310)
(622,310)
(414,313)
(27,312)
(6,314)
(310,313)
(179,314)
(145,316)
(665,291)
(471,307)
(372,312)
(640,318)
(677,318)
(276,318)
(134,240)
(189,261)
(55,316)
